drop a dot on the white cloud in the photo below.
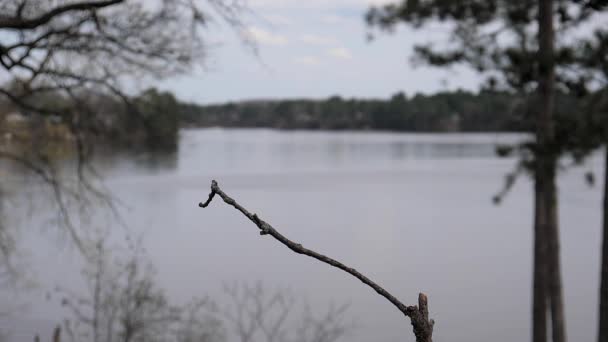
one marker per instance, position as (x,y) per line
(333,19)
(307,60)
(280,20)
(317,40)
(262,36)
(379,2)
(323,4)
(340,52)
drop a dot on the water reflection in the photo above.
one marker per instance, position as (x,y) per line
(148,162)
(273,151)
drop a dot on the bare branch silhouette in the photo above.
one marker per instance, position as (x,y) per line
(419,315)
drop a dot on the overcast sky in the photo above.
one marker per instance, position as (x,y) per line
(312,49)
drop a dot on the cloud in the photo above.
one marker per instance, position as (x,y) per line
(262,36)
(319,4)
(280,20)
(307,60)
(378,2)
(340,53)
(333,19)
(317,40)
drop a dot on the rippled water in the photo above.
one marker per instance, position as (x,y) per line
(411,211)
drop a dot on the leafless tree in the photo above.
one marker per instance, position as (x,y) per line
(199,322)
(256,314)
(59,55)
(122,303)
(327,327)
(66,45)
(419,315)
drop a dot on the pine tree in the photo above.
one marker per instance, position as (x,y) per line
(513,45)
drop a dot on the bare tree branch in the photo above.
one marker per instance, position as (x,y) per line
(67,63)
(419,315)
(19,23)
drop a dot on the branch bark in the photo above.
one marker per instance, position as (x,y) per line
(419,315)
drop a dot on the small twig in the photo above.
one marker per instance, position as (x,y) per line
(419,315)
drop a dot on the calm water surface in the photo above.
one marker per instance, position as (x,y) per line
(411,211)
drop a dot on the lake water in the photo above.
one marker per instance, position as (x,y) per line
(411,211)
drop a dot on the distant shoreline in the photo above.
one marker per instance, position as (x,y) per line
(455,111)
(346,131)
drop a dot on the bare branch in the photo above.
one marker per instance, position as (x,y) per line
(21,24)
(419,316)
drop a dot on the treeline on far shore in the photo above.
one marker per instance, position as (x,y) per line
(454,111)
(149,120)
(152,118)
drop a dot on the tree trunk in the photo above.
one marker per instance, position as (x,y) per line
(558,325)
(539,301)
(546,159)
(603,327)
